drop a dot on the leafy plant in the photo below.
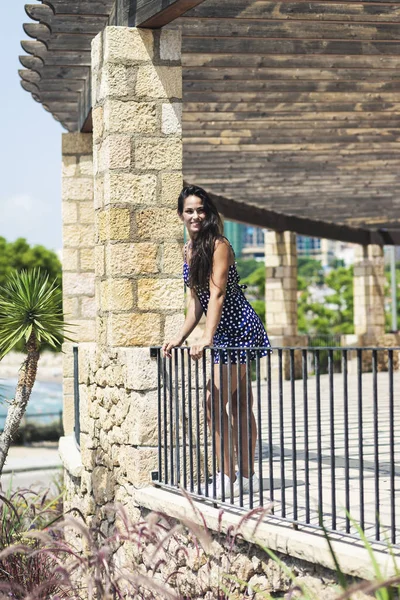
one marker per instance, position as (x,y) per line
(23,572)
(29,313)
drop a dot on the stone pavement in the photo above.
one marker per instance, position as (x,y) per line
(31,466)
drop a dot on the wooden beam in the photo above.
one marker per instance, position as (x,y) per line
(307,30)
(94,7)
(204,57)
(237,73)
(154,14)
(253,215)
(315,9)
(263,46)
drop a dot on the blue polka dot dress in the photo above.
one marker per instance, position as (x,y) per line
(240,326)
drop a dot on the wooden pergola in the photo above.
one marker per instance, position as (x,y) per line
(291,109)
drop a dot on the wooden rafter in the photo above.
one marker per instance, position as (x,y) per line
(290,107)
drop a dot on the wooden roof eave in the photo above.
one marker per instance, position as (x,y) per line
(270,219)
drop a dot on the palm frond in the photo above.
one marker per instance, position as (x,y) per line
(30,306)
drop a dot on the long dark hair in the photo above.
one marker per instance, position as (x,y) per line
(203,247)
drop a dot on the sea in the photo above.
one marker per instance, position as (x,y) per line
(45,404)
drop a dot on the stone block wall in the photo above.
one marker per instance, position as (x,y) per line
(137,91)
(369,285)
(78,253)
(281,283)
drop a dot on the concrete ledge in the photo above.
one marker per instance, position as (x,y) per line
(281,537)
(70,455)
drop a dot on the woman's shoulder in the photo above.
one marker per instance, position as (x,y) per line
(223,246)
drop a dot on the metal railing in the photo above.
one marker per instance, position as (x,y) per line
(324,446)
(77,422)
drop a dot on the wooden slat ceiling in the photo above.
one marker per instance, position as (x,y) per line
(293,106)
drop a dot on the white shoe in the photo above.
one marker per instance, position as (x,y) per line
(218,487)
(246,485)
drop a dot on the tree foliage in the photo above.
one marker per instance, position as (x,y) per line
(19,255)
(332,315)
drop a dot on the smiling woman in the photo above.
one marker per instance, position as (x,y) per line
(210,273)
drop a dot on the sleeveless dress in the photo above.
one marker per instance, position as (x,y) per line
(240,326)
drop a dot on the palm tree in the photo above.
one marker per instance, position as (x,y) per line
(29,311)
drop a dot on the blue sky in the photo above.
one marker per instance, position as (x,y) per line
(30,152)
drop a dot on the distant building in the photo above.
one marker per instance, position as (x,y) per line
(248,242)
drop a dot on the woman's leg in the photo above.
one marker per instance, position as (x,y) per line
(228,458)
(240,416)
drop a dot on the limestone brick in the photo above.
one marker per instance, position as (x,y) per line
(170,45)
(77,235)
(99,260)
(141,422)
(76,143)
(86,212)
(173,325)
(141,371)
(70,259)
(171,187)
(139,463)
(132,259)
(98,200)
(152,223)
(86,165)
(116,152)
(159,82)
(77,188)
(68,361)
(97,52)
(103,485)
(69,166)
(70,306)
(86,259)
(171,118)
(130,117)
(116,294)
(113,82)
(88,307)
(82,330)
(136,329)
(78,283)
(160,294)
(128,45)
(69,212)
(114,224)
(130,188)
(98,123)
(172,258)
(158,153)
(68,413)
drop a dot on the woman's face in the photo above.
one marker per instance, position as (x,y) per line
(193,215)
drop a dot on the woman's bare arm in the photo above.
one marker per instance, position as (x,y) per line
(193,315)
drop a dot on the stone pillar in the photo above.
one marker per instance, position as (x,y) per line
(137,151)
(369,285)
(281,283)
(77,259)
(281,297)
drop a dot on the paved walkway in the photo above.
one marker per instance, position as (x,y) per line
(34,466)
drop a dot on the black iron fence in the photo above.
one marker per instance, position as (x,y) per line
(320,446)
(77,422)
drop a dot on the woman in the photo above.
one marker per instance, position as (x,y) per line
(210,273)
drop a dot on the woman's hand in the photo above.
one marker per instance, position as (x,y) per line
(197,349)
(167,346)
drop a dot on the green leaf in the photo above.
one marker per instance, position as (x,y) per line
(30,306)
